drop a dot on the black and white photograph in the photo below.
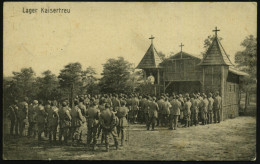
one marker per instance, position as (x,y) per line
(138,81)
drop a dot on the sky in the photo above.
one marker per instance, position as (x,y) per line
(93,32)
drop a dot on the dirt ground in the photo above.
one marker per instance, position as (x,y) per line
(233,139)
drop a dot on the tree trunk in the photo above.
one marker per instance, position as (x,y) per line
(246,102)
(72,95)
(248,98)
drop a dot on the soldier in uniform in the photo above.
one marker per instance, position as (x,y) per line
(160,105)
(135,108)
(65,122)
(204,111)
(121,114)
(22,115)
(146,109)
(165,112)
(210,108)
(153,113)
(32,114)
(13,118)
(47,110)
(77,120)
(217,107)
(115,102)
(141,109)
(83,109)
(92,114)
(53,119)
(174,113)
(108,121)
(41,118)
(187,111)
(192,109)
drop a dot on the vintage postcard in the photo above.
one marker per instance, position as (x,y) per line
(172,81)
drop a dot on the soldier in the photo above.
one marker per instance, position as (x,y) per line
(115,102)
(109,121)
(47,109)
(187,111)
(121,114)
(41,118)
(217,107)
(32,114)
(22,115)
(141,109)
(153,113)
(135,108)
(77,120)
(192,100)
(165,112)
(65,122)
(160,105)
(180,98)
(204,111)
(101,107)
(174,113)
(12,112)
(92,118)
(53,119)
(210,112)
(146,109)
(196,110)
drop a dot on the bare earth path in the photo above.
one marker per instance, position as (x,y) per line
(233,139)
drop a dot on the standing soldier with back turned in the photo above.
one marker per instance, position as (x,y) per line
(217,107)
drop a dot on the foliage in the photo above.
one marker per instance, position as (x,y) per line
(23,83)
(116,73)
(246,61)
(48,86)
(90,82)
(70,79)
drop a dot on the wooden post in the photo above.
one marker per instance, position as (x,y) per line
(222,90)
(158,81)
(144,76)
(203,79)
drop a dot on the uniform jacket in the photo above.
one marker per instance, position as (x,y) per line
(166,107)
(135,103)
(53,116)
(22,110)
(187,107)
(153,109)
(77,119)
(121,114)
(116,103)
(217,103)
(211,101)
(146,106)
(93,114)
(65,117)
(12,112)
(205,105)
(83,108)
(108,119)
(176,106)
(32,113)
(160,105)
(41,114)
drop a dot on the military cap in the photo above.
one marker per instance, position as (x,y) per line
(35,102)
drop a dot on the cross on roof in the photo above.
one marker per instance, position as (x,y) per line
(151,39)
(216,31)
(181,46)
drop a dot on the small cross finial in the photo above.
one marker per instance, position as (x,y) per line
(216,31)
(181,46)
(151,39)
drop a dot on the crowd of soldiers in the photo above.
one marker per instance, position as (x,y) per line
(110,114)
